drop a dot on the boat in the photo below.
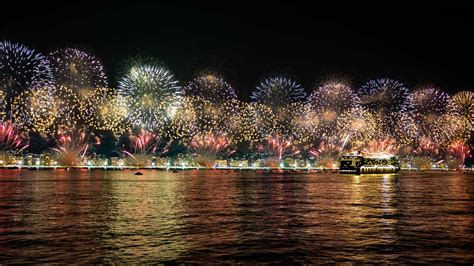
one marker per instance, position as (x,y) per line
(360,163)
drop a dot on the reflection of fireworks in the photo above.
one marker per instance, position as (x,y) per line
(151,91)
(381,146)
(276,148)
(383,96)
(357,125)
(35,110)
(22,69)
(277,92)
(11,138)
(256,122)
(210,87)
(72,147)
(77,69)
(207,147)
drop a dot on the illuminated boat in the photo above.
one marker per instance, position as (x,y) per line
(359,163)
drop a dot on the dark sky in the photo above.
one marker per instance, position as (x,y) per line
(247,41)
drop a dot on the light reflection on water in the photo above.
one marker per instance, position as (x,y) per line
(222,216)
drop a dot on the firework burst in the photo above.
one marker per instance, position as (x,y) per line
(331,100)
(35,110)
(301,123)
(111,115)
(144,144)
(72,147)
(327,153)
(381,147)
(277,92)
(90,106)
(210,87)
(459,151)
(357,126)
(256,122)
(11,139)
(152,92)
(462,107)
(207,147)
(77,70)
(68,113)
(21,69)
(383,96)
(276,148)
(426,106)
(429,148)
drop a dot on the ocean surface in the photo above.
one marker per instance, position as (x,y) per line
(97,216)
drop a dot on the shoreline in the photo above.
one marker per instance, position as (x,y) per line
(292,170)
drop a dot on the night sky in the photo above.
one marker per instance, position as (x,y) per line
(247,41)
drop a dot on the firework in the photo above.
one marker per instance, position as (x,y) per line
(21,69)
(381,147)
(68,113)
(426,105)
(35,110)
(11,139)
(152,92)
(90,104)
(458,151)
(72,147)
(462,108)
(462,104)
(327,153)
(331,100)
(406,130)
(357,126)
(277,92)
(427,101)
(210,87)
(429,148)
(110,115)
(183,125)
(383,96)
(333,96)
(301,123)
(145,142)
(215,117)
(3,105)
(207,147)
(276,148)
(255,123)
(143,145)
(77,70)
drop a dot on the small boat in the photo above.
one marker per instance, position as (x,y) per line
(138,173)
(175,171)
(359,163)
